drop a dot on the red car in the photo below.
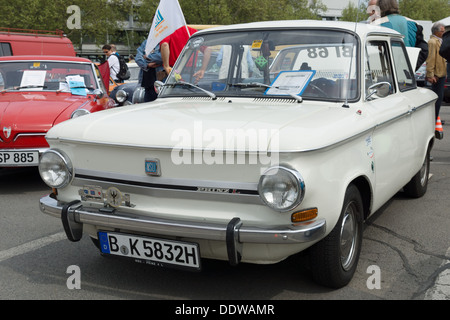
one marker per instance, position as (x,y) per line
(38,92)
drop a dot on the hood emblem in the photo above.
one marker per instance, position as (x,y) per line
(152,167)
(6,132)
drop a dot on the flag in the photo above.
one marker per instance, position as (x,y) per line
(104,72)
(168,18)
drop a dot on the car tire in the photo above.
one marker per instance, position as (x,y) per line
(335,258)
(418,185)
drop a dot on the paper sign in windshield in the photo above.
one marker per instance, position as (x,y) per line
(290,82)
(77,85)
(33,79)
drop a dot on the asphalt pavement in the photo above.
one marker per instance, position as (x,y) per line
(440,290)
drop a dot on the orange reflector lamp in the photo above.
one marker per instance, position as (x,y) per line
(304,215)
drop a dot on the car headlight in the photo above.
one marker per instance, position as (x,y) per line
(281,188)
(121,96)
(138,95)
(79,112)
(55,168)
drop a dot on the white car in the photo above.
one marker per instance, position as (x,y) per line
(298,132)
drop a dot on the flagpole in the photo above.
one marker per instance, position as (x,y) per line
(185,24)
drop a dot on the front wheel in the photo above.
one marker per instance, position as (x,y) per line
(335,258)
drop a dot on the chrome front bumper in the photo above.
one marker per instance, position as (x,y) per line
(234,233)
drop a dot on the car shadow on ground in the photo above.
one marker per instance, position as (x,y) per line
(20,180)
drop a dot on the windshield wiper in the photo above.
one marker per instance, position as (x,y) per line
(30,86)
(263,85)
(82,87)
(250,85)
(210,94)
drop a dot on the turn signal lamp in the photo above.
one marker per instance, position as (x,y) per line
(304,215)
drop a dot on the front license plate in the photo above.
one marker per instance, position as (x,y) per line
(154,251)
(19,158)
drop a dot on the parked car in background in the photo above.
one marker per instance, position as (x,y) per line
(38,92)
(15,42)
(262,160)
(127,88)
(421,75)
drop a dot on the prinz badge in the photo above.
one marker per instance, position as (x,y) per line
(152,167)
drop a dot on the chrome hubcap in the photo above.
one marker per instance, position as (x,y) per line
(424,171)
(349,236)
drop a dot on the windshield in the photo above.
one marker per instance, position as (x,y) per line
(313,64)
(77,78)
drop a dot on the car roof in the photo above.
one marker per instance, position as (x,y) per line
(362,29)
(44,58)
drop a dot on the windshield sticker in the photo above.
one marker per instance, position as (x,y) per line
(257,44)
(290,82)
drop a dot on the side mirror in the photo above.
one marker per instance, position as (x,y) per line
(158,86)
(98,93)
(381,89)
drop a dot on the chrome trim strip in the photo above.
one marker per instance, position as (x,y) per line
(105,176)
(28,135)
(287,234)
(400,116)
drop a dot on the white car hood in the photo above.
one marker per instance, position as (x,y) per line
(169,123)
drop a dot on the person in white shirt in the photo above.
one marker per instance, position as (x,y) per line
(113,61)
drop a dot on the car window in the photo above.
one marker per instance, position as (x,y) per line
(377,65)
(313,64)
(5,49)
(405,75)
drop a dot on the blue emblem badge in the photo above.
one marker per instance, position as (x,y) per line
(152,167)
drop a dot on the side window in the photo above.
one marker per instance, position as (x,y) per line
(377,64)
(5,49)
(402,65)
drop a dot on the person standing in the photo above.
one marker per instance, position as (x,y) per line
(436,65)
(113,61)
(148,65)
(172,46)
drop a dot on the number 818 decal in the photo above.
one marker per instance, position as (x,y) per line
(322,52)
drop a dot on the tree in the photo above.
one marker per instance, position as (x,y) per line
(433,10)
(101,19)
(98,17)
(353,13)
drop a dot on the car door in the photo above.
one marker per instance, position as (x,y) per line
(421,112)
(393,140)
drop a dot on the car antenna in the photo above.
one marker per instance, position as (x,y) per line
(346,105)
